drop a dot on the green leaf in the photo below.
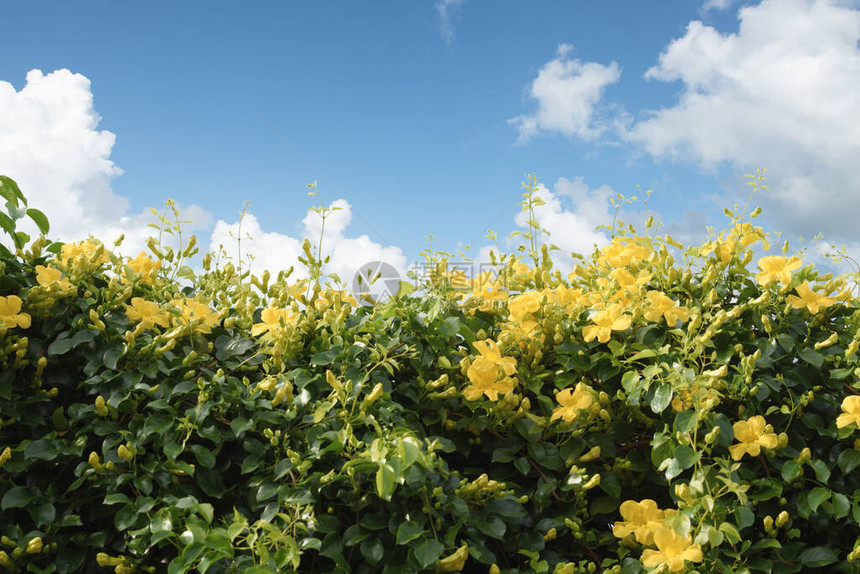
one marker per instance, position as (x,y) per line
(203,455)
(385,478)
(812,357)
(816,496)
(408,531)
(685,421)
(790,470)
(822,473)
(7,224)
(112,356)
(40,220)
(841,505)
(610,484)
(10,191)
(491,525)
(661,399)
(817,556)
(43,449)
(449,327)
(16,497)
(848,460)
(61,345)
(686,456)
(372,550)
(428,552)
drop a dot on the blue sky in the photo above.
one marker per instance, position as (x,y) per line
(424,116)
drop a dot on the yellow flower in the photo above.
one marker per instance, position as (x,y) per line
(454,562)
(605,322)
(777,268)
(484,372)
(673,550)
(51,278)
(851,406)
(145,267)
(272,320)
(5,456)
(572,402)
(664,306)
(522,305)
(194,314)
(753,437)
(640,518)
(10,312)
(89,248)
(810,299)
(147,313)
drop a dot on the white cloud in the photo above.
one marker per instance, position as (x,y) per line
(51,146)
(717,4)
(567,92)
(444,9)
(570,214)
(276,251)
(783,92)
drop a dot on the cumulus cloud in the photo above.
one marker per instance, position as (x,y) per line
(717,4)
(51,146)
(567,92)
(571,213)
(444,8)
(276,251)
(783,92)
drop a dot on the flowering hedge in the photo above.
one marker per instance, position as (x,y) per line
(661,408)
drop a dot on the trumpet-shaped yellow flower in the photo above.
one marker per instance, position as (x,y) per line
(662,306)
(572,402)
(640,518)
(851,412)
(623,252)
(144,266)
(88,248)
(196,315)
(606,321)
(272,321)
(673,550)
(52,279)
(10,313)
(808,298)
(753,437)
(147,313)
(525,304)
(777,268)
(484,372)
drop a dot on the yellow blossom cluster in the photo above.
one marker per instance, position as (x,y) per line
(576,403)
(273,320)
(142,268)
(490,373)
(648,525)
(752,435)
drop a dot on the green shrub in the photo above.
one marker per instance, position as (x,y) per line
(661,408)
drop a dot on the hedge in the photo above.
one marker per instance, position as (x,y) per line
(660,408)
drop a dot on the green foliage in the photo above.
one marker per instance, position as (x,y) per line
(502,424)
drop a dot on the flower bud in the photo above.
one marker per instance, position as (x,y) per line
(781,518)
(34,546)
(374,394)
(101,408)
(593,481)
(590,455)
(124,453)
(550,535)
(768,523)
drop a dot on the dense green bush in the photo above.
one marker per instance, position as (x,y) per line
(661,408)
